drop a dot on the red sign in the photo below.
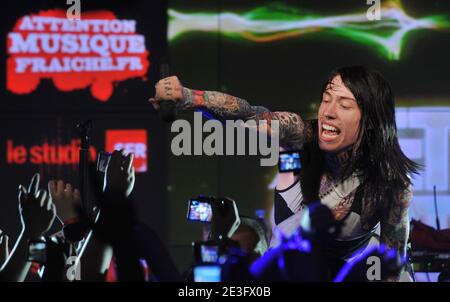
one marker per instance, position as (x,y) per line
(51,154)
(97,52)
(132,141)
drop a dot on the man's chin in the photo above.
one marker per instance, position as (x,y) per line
(331,148)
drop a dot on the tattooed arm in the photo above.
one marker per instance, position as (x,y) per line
(395,225)
(292,129)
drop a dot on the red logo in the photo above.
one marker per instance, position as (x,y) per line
(97,52)
(47,153)
(133,141)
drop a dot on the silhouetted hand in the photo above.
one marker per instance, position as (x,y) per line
(120,175)
(66,200)
(4,249)
(37,212)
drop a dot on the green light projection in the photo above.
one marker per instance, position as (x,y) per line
(279,21)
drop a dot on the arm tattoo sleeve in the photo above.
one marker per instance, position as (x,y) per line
(395,225)
(292,130)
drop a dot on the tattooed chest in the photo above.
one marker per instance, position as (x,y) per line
(342,208)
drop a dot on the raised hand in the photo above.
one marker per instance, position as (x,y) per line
(66,200)
(120,174)
(37,212)
(4,248)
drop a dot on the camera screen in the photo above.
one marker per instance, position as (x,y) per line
(200,211)
(289,161)
(37,251)
(103,161)
(209,253)
(207,273)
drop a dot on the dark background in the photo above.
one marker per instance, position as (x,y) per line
(49,115)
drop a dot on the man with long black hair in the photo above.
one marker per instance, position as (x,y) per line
(352,161)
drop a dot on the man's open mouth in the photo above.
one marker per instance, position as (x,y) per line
(330,131)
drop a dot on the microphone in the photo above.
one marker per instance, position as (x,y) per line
(438,224)
(167,108)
